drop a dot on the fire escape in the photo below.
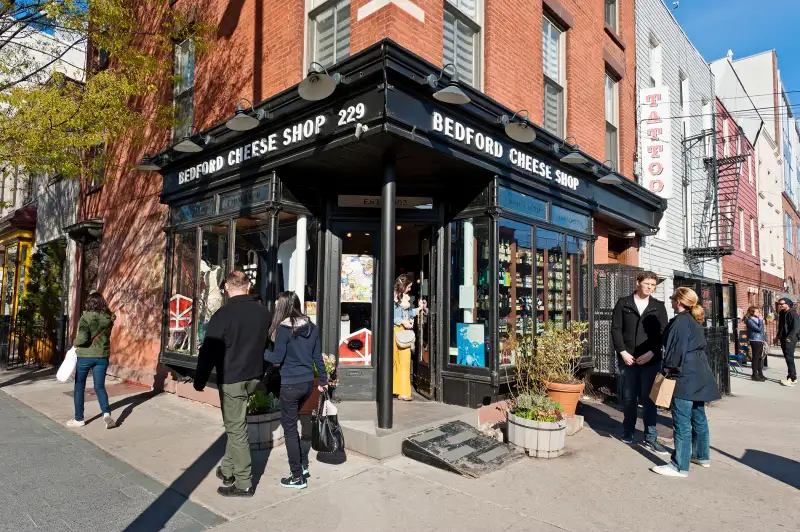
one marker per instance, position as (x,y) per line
(711,194)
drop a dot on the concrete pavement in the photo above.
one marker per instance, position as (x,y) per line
(600,484)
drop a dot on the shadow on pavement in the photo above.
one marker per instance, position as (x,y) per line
(29,376)
(606,420)
(130,402)
(778,467)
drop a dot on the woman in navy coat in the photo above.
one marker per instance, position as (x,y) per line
(685,361)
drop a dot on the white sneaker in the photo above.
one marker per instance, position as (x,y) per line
(695,461)
(109,421)
(788,382)
(74,424)
(668,471)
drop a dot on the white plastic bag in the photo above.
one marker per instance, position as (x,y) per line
(68,366)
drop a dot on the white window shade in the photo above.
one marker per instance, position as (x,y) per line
(468,7)
(331,34)
(553,77)
(460,47)
(551,50)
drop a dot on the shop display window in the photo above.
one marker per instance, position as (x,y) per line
(297,268)
(469,292)
(356,296)
(9,283)
(182,283)
(515,305)
(213,272)
(550,300)
(577,269)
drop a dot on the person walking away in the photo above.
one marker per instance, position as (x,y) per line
(297,351)
(788,334)
(234,344)
(685,360)
(756,335)
(637,326)
(403,320)
(93,347)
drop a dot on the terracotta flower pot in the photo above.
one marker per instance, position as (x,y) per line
(567,395)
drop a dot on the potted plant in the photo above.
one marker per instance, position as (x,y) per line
(330,369)
(264,428)
(556,361)
(537,425)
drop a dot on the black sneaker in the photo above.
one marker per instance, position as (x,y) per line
(233,491)
(228,481)
(627,438)
(656,447)
(294,483)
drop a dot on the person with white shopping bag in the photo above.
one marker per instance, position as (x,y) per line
(296,349)
(92,351)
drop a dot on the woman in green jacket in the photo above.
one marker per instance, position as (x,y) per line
(93,346)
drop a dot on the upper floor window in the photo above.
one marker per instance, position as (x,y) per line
(742,245)
(462,31)
(789,232)
(655,64)
(752,236)
(726,141)
(752,174)
(554,76)
(708,124)
(184,90)
(685,107)
(329,31)
(612,120)
(28,182)
(612,15)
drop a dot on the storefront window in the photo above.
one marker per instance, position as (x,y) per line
(577,279)
(550,278)
(213,272)
(356,296)
(469,291)
(182,283)
(23,271)
(250,250)
(297,259)
(516,290)
(10,280)
(522,203)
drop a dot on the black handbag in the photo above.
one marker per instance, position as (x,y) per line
(326,433)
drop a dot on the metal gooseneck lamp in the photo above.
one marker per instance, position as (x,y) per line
(451,93)
(518,127)
(242,120)
(574,156)
(318,84)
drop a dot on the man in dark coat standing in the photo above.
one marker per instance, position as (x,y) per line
(637,327)
(788,334)
(234,345)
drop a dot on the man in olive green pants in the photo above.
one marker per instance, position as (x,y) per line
(234,345)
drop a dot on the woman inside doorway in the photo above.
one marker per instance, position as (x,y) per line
(403,331)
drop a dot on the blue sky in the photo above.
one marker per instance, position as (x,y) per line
(746,27)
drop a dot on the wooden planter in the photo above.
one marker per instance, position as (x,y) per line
(264,431)
(539,439)
(567,395)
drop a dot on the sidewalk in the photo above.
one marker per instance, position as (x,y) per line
(599,484)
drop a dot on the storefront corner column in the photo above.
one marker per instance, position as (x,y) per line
(385,298)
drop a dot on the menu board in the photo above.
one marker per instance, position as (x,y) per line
(357,278)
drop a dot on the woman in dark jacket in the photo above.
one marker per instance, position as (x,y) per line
(756,335)
(685,361)
(93,346)
(297,351)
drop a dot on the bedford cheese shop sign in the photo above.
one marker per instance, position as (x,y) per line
(518,159)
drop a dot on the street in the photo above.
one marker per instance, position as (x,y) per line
(156,472)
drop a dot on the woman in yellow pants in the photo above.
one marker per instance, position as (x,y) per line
(403,320)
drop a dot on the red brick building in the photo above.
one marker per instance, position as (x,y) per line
(569,66)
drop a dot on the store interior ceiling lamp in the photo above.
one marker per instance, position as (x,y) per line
(452,93)
(318,85)
(518,128)
(148,164)
(242,120)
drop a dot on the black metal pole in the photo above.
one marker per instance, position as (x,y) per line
(385,303)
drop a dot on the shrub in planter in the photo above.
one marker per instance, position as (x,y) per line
(557,359)
(264,428)
(536,424)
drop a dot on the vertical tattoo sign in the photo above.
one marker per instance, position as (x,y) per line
(655,137)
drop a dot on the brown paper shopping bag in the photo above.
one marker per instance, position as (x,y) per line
(661,393)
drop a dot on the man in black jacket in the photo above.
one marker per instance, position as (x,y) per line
(637,327)
(788,334)
(234,345)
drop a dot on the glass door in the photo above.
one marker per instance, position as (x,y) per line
(425,326)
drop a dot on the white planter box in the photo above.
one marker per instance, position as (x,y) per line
(539,439)
(264,431)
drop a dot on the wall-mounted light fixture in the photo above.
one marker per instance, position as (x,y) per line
(611,178)
(574,156)
(318,85)
(152,163)
(518,128)
(189,143)
(452,93)
(242,120)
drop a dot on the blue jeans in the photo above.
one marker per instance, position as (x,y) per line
(99,366)
(637,381)
(691,433)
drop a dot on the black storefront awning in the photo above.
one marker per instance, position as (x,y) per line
(85,231)
(385,104)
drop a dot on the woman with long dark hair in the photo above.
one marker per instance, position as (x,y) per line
(403,321)
(685,361)
(756,335)
(93,347)
(297,351)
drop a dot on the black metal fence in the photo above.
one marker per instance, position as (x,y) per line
(611,282)
(31,344)
(717,351)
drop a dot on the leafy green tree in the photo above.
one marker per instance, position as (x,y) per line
(56,111)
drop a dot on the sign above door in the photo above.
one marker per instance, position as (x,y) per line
(374,202)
